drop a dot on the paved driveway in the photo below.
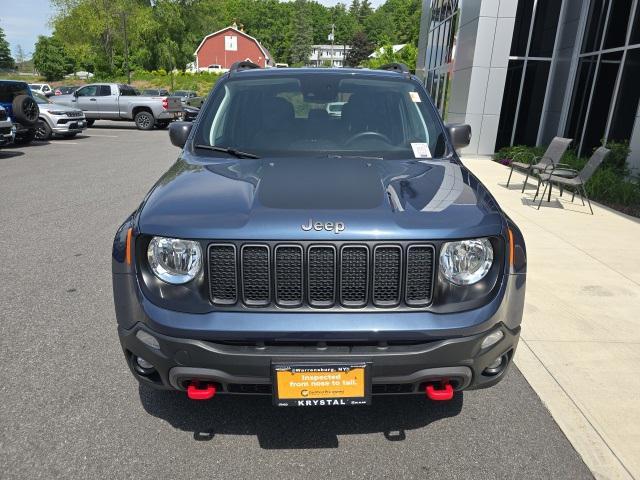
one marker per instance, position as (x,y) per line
(70,408)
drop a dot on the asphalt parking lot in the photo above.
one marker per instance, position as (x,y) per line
(71,409)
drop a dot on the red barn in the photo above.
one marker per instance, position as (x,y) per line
(228,46)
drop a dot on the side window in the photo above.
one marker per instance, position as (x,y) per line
(105,90)
(88,91)
(126,91)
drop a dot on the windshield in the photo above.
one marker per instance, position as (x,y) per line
(316,113)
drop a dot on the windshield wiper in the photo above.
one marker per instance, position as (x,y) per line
(230,151)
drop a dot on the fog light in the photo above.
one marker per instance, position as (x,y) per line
(496,366)
(148,339)
(492,339)
(142,366)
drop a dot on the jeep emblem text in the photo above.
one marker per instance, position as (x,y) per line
(335,227)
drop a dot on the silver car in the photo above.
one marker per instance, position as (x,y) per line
(58,120)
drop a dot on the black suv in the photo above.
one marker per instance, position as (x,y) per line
(23,110)
(318,258)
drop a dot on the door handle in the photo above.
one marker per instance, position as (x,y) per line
(92,100)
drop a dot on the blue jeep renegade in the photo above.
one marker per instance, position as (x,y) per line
(316,257)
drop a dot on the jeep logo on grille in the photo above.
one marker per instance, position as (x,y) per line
(335,227)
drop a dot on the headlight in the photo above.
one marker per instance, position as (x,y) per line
(173,260)
(57,112)
(467,261)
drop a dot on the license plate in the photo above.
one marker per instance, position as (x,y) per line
(321,385)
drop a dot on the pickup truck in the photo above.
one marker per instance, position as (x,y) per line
(114,101)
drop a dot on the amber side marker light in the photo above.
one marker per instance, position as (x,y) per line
(127,255)
(511,248)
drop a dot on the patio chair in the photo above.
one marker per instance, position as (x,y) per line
(552,156)
(564,176)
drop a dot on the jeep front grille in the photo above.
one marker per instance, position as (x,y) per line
(321,275)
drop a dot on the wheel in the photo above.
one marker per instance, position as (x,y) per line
(144,121)
(90,122)
(43,130)
(162,124)
(25,110)
(26,138)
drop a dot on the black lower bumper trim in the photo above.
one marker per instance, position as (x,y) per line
(247,369)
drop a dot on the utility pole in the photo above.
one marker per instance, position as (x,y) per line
(332,36)
(124,16)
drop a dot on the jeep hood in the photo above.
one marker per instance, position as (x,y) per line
(271,198)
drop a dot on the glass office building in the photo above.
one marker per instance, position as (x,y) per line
(524,71)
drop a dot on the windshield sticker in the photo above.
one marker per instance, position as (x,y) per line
(421,150)
(415,97)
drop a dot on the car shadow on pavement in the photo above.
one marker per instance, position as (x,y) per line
(294,427)
(9,153)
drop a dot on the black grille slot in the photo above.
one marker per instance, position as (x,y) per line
(321,266)
(420,271)
(354,276)
(289,264)
(387,268)
(223,280)
(256,279)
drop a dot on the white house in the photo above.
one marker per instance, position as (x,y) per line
(334,55)
(380,51)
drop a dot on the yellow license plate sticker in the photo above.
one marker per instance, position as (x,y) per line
(308,386)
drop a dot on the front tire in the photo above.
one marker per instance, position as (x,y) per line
(43,130)
(144,121)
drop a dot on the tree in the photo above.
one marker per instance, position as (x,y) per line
(6,60)
(302,34)
(51,59)
(361,48)
(20,56)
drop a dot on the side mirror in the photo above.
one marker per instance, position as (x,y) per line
(179,132)
(75,93)
(459,134)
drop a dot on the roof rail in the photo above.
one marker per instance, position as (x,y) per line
(395,67)
(243,65)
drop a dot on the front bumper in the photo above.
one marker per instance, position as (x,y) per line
(61,125)
(246,368)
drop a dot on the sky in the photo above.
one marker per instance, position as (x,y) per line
(24,20)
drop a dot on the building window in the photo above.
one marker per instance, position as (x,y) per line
(528,72)
(605,93)
(441,45)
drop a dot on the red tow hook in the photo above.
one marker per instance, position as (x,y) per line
(197,391)
(439,394)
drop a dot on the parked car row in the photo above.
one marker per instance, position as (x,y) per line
(36,111)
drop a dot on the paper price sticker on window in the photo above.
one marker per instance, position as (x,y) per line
(421,150)
(415,97)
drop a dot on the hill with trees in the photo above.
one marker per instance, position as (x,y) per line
(163,34)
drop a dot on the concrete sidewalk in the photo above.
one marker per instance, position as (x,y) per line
(580,344)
